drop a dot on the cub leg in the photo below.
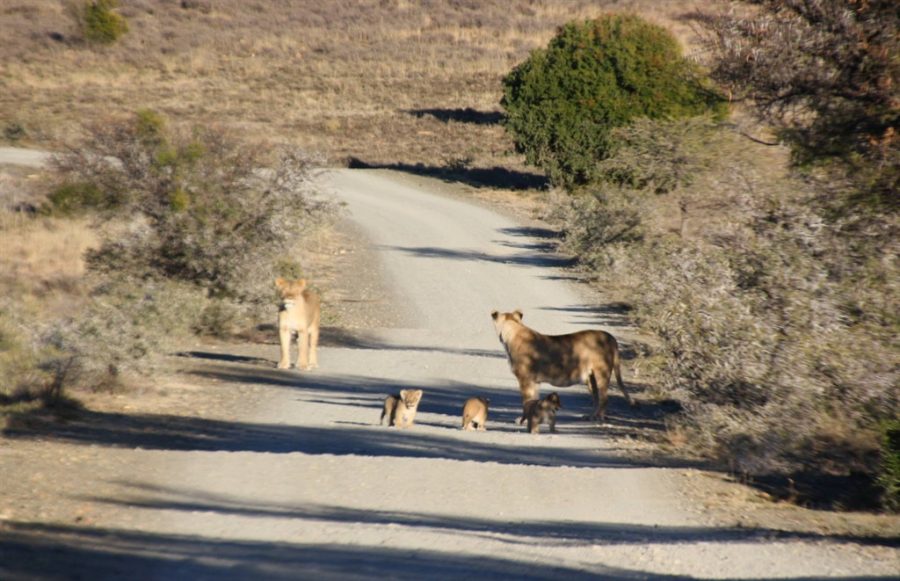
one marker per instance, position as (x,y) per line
(284,336)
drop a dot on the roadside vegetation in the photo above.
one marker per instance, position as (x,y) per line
(767,275)
(184,233)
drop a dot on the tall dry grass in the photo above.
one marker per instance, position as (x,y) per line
(347,78)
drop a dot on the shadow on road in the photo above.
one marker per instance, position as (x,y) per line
(441,407)
(561,533)
(476,177)
(532,259)
(37,551)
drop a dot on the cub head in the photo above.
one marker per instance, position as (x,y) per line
(411,397)
(552,401)
(500,319)
(290,289)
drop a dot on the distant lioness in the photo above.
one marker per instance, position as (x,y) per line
(475,413)
(539,411)
(401,409)
(298,313)
(587,357)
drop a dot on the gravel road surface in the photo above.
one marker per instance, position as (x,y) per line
(302,482)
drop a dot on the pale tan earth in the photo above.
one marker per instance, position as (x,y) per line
(228,468)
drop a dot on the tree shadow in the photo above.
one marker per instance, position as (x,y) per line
(33,550)
(609,314)
(538,259)
(223,357)
(360,339)
(463,115)
(557,533)
(442,403)
(489,177)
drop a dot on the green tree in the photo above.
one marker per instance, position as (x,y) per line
(563,102)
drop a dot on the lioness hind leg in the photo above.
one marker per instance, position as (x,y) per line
(599,384)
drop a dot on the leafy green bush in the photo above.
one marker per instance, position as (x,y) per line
(76,198)
(563,102)
(99,24)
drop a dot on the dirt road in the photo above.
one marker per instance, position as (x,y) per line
(299,480)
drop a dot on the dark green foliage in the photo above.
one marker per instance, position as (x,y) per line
(890,465)
(14,131)
(100,24)
(76,198)
(563,102)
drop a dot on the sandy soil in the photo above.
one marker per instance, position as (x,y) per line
(228,468)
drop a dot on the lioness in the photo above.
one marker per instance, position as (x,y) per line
(587,357)
(401,409)
(539,411)
(298,313)
(475,413)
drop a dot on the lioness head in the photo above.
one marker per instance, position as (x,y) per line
(500,319)
(290,289)
(411,397)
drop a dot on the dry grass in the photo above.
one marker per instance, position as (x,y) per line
(383,81)
(42,263)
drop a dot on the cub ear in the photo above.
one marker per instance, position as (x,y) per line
(518,314)
(494,315)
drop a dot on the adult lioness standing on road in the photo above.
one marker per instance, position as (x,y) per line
(298,313)
(588,357)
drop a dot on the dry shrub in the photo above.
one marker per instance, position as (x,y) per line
(196,205)
(777,322)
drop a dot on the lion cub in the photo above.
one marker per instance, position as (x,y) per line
(299,313)
(475,413)
(401,408)
(538,411)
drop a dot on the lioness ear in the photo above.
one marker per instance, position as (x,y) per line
(280,282)
(494,315)
(518,314)
(301,282)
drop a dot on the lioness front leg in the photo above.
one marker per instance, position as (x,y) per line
(528,389)
(284,336)
(313,347)
(303,341)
